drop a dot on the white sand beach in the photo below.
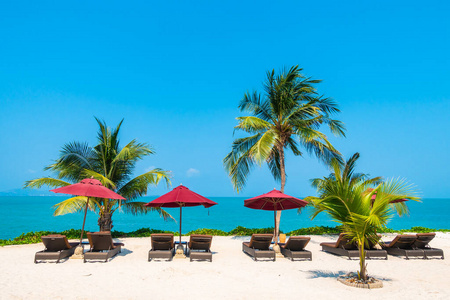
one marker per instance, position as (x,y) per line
(231,275)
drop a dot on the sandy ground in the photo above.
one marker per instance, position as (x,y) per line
(231,275)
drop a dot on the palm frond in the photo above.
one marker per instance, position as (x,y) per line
(336,127)
(47,181)
(103,179)
(350,165)
(74,157)
(396,189)
(240,161)
(261,151)
(136,208)
(274,164)
(239,169)
(75,204)
(324,151)
(292,144)
(252,103)
(252,124)
(307,112)
(133,151)
(327,105)
(138,186)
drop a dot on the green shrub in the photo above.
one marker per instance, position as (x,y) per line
(249,231)
(420,229)
(35,237)
(142,232)
(208,232)
(388,230)
(316,230)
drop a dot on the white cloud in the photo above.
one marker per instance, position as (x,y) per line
(192,172)
(150,168)
(31,171)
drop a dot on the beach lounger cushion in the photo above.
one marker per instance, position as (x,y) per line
(402,245)
(422,242)
(102,246)
(423,239)
(200,247)
(344,247)
(402,241)
(57,247)
(295,248)
(162,246)
(259,247)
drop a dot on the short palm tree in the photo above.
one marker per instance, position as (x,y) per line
(347,197)
(110,164)
(287,116)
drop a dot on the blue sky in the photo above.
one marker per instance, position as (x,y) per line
(176,70)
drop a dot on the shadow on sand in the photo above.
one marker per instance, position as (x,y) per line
(324,274)
(328,274)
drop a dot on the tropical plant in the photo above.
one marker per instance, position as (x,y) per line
(35,237)
(347,197)
(110,164)
(288,115)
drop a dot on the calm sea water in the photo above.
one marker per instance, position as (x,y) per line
(24,214)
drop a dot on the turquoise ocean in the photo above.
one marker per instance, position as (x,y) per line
(35,213)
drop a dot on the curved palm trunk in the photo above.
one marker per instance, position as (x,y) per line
(362,261)
(105,221)
(283,183)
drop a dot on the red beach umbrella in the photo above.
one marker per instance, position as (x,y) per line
(274,200)
(89,188)
(179,197)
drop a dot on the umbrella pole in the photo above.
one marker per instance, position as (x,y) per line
(84,220)
(180,251)
(180,223)
(275,228)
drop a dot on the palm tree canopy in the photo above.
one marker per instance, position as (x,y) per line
(287,115)
(347,197)
(110,164)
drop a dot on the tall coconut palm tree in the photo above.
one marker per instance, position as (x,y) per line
(286,117)
(346,197)
(110,164)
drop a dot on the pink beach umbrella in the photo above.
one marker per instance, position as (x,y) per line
(89,188)
(180,197)
(274,200)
